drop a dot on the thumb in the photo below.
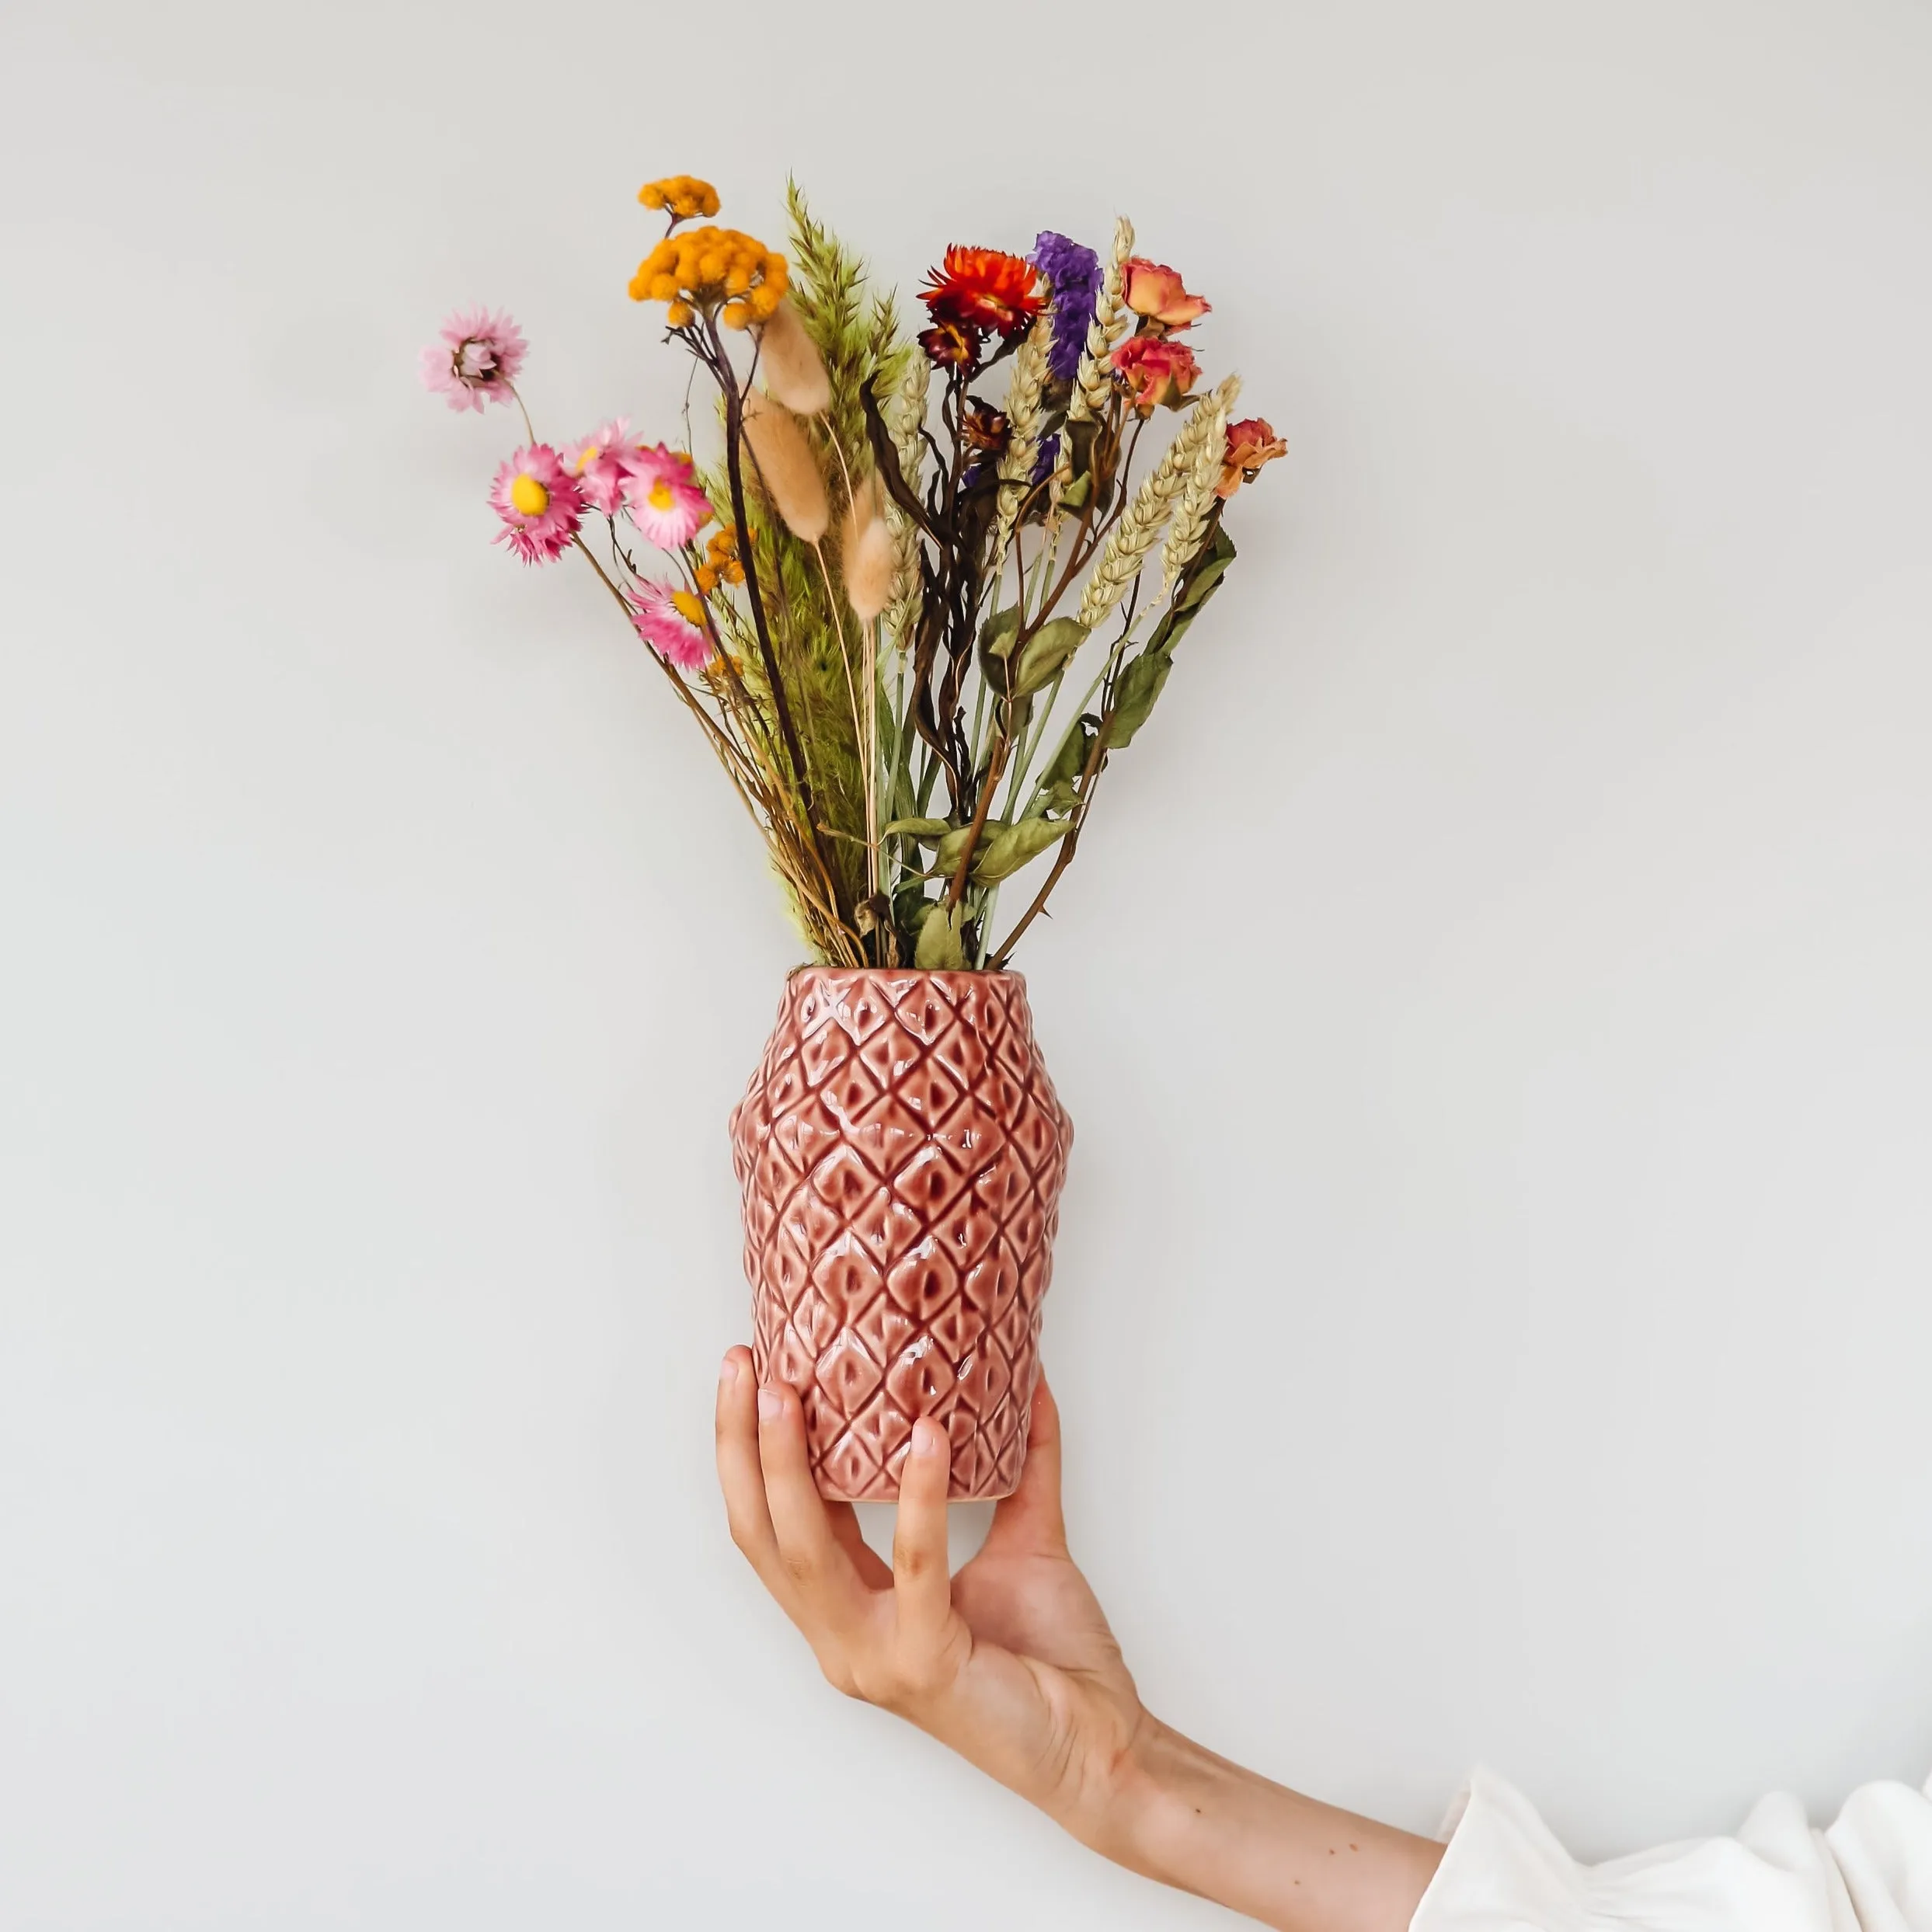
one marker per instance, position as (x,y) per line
(1031,1518)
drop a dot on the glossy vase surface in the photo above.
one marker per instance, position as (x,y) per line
(902,1151)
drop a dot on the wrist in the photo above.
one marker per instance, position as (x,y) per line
(1126,1805)
(1182,1816)
(1157,1792)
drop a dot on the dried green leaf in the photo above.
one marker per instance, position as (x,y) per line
(997,633)
(1045,654)
(1203,575)
(946,862)
(1199,583)
(1000,857)
(1071,759)
(1134,693)
(941,947)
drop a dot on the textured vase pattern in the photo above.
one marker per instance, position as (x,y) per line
(901,1151)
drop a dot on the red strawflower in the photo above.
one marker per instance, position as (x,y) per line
(983,428)
(951,344)
(983,289)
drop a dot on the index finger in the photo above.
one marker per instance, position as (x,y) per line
(740,1474)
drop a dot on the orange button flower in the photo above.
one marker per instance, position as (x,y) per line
(684,195)
(711,271)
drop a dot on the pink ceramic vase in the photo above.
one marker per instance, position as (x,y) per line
(901,1151)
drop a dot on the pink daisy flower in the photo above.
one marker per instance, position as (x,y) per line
(671,621)
(663,498)
(539,503)
(602,462)
(475,359)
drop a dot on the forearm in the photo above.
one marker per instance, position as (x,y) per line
(1194,1821)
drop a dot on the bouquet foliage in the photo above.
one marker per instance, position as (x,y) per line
(915,624)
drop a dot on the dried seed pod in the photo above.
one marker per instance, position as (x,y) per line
(790,362)
(871,570)
(787,468)
(868,555)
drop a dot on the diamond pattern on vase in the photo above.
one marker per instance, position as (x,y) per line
(901,1152)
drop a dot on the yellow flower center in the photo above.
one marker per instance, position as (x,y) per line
(688,608)
(528,497)
(591,454)
(660,496)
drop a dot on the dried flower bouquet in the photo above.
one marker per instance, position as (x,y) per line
(897,587)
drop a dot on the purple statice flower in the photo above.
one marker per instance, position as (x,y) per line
(1043,463)
(1075,273)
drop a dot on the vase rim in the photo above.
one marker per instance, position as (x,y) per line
(905,972)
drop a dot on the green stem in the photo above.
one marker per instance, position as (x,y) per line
(1073,723)
(1030,744)
(985,927)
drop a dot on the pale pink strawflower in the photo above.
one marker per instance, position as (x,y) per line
(663,499)
(475,359)
(539,501)
(671,621)
(602,462)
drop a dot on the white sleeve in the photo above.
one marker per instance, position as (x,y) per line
(1503,1871)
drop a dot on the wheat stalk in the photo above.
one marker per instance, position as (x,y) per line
(906,420)
(1144,519)
(1093,382)
(1023,416)
(1197,499)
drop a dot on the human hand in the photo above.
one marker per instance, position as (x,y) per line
(1010,1663)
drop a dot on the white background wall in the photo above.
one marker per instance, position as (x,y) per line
(1492,1315)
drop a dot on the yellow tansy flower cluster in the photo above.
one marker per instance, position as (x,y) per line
(684,195)
(704,268)
(721,564)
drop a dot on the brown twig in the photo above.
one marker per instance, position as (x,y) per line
(719,364)
(1089,777)
(996,766)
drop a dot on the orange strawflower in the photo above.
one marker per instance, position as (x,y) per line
(684,195)
(984,290)
(711,271)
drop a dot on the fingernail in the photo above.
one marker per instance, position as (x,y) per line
(770,1405)
(728,1371)
(927,1437)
